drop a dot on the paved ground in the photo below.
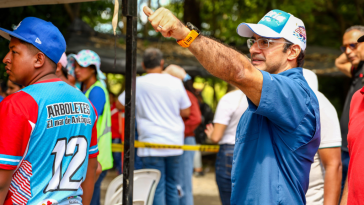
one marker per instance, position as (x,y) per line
(204,188)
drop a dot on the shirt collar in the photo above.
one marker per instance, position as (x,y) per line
(49,81)
(362,90)
(292,71)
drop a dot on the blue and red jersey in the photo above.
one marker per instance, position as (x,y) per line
(47,134)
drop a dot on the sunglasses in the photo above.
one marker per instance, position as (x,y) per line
(352,46)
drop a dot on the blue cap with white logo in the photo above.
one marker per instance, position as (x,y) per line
(41,34)
(277,24)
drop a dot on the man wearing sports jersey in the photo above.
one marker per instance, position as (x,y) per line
(48,138)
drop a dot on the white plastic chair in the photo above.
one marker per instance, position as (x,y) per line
(145,184)
(135,202)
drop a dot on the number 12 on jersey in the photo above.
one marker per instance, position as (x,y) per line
(61,149)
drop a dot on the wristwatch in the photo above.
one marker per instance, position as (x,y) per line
(194,33)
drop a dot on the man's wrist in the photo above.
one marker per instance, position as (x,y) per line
(186,31)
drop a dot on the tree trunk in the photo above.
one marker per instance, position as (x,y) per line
(73,11)
(191,12)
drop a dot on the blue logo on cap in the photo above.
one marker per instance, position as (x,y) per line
(41,34)
(275,19)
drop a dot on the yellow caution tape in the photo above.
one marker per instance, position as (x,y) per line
(137,144)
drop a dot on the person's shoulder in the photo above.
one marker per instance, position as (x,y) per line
(358,96)
(322,99)
(233,95)
(19,99)
(170,78)
(97,91)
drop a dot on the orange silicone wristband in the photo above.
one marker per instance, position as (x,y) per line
(185,43)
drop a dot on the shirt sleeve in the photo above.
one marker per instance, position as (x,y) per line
(330,126)
(121,98)
(283,101)
(184,102)
(192,122)
(94,149)
(19,113)
(224,111)
(97,98)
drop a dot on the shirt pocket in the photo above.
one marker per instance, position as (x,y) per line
(248,128)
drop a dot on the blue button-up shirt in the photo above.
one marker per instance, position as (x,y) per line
(276,142)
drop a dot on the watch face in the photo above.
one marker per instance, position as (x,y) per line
(192,27)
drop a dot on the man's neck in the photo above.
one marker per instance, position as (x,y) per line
(89,82)
(64,79)
(40,77)
(154,70)
(286,67)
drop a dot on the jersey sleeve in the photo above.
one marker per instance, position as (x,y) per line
(94,149)
(19,113)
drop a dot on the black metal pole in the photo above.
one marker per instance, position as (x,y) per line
(130,11)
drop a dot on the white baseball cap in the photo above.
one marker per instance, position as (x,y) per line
(277,24)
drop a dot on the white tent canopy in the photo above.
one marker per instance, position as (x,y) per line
(18,3)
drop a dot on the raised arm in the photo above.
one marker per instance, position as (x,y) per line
(343,64)
(220,60)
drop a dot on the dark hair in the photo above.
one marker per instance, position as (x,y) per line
(35,50)
(189,86)
(301,57)
(94,67)
(3,86)
(152,58)
(64,72)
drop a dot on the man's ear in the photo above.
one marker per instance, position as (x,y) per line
(143,66)
(294,52)
(40,60)
(59,67)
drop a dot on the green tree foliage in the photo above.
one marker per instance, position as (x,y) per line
(325,20)
(60,15)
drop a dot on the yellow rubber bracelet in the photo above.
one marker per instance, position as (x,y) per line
(185,43)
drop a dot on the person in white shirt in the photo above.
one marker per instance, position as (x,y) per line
(228,112)
(325,174)
(161,101)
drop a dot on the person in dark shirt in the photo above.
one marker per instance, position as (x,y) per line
(351,64)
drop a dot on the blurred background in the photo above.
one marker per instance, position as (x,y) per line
(88,25)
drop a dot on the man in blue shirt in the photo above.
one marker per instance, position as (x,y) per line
(279,134)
